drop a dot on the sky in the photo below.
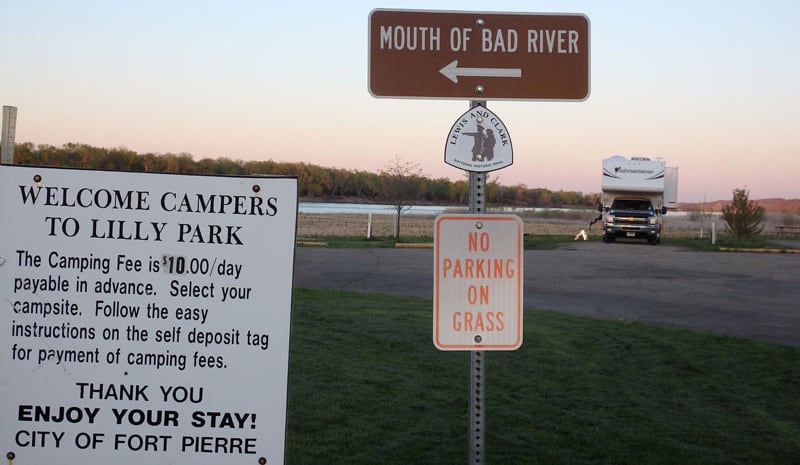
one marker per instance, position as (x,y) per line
(711,87)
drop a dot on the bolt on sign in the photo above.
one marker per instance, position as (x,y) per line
(477,56)
(477,282)
(147,316)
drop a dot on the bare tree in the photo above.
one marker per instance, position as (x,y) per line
(401,181)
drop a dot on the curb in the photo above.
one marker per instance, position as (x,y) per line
(734,249)
(312,244)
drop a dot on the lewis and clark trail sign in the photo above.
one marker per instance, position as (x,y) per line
(479,142)
(478,55)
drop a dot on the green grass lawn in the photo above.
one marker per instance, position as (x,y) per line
(367,386)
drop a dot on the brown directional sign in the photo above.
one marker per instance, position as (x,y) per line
(472,55)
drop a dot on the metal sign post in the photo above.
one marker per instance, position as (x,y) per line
(477,365)
(477,399)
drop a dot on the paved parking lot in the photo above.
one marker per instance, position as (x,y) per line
(750,295)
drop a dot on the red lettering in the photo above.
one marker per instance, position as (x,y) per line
(479,321)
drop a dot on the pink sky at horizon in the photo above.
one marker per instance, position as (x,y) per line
(712,92)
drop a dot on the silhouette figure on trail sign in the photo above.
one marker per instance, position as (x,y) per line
(488,145)
(483,148)
(477,146)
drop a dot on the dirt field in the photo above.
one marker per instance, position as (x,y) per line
(347,225)
(355,225)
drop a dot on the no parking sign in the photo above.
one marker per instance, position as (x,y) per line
(477,282)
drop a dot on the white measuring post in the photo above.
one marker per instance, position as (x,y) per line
(8,134)
(713,232)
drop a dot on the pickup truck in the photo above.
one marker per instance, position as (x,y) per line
(633,218)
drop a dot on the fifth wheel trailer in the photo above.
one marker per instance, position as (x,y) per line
(636,194)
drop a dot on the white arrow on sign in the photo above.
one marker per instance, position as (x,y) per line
(452,72)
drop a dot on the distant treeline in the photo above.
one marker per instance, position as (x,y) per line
(314,181)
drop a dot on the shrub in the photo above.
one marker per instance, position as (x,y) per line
(744,217)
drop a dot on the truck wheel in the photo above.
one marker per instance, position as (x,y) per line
(653,241)
(608,238)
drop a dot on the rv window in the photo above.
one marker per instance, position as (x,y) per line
(632,204)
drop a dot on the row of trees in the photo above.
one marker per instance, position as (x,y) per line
(400,184)
(314,180)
